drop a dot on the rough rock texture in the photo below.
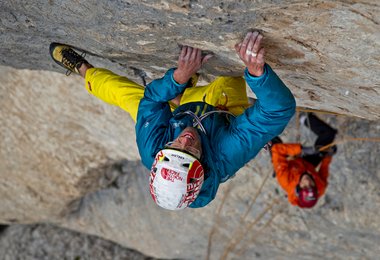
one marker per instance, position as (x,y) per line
(328,52)
(69,159)
(39,242)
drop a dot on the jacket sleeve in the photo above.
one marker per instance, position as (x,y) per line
(164,89)
(267,118)
(285,178)
(153,116)
(324,170)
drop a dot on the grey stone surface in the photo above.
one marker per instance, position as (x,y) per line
(328,52)
(39,242)
(68,159)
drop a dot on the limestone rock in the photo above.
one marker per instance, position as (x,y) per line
(66,158)
(327,51)
(40,242)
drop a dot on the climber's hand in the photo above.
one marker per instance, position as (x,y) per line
(189,62)
(251,53)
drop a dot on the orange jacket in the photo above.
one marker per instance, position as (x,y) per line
(289,169)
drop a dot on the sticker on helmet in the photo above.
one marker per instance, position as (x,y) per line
(170,175)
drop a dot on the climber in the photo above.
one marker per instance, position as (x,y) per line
(192,138)
(302,171)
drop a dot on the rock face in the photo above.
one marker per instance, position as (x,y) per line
(48,242)
(326,51)
(68,159)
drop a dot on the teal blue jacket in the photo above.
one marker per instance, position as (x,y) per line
(228,143)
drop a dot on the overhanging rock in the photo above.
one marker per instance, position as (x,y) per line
(327,52)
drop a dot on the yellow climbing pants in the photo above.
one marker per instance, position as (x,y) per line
(225,93)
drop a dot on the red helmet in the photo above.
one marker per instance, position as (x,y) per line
(307,197)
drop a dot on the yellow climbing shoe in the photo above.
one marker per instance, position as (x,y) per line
(66,57)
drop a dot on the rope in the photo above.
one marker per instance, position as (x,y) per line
(301,109)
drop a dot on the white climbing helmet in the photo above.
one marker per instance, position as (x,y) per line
(176,179)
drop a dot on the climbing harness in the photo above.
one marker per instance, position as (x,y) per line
(197,120)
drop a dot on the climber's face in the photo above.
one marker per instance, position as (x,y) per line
(188,141)
(306,182)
